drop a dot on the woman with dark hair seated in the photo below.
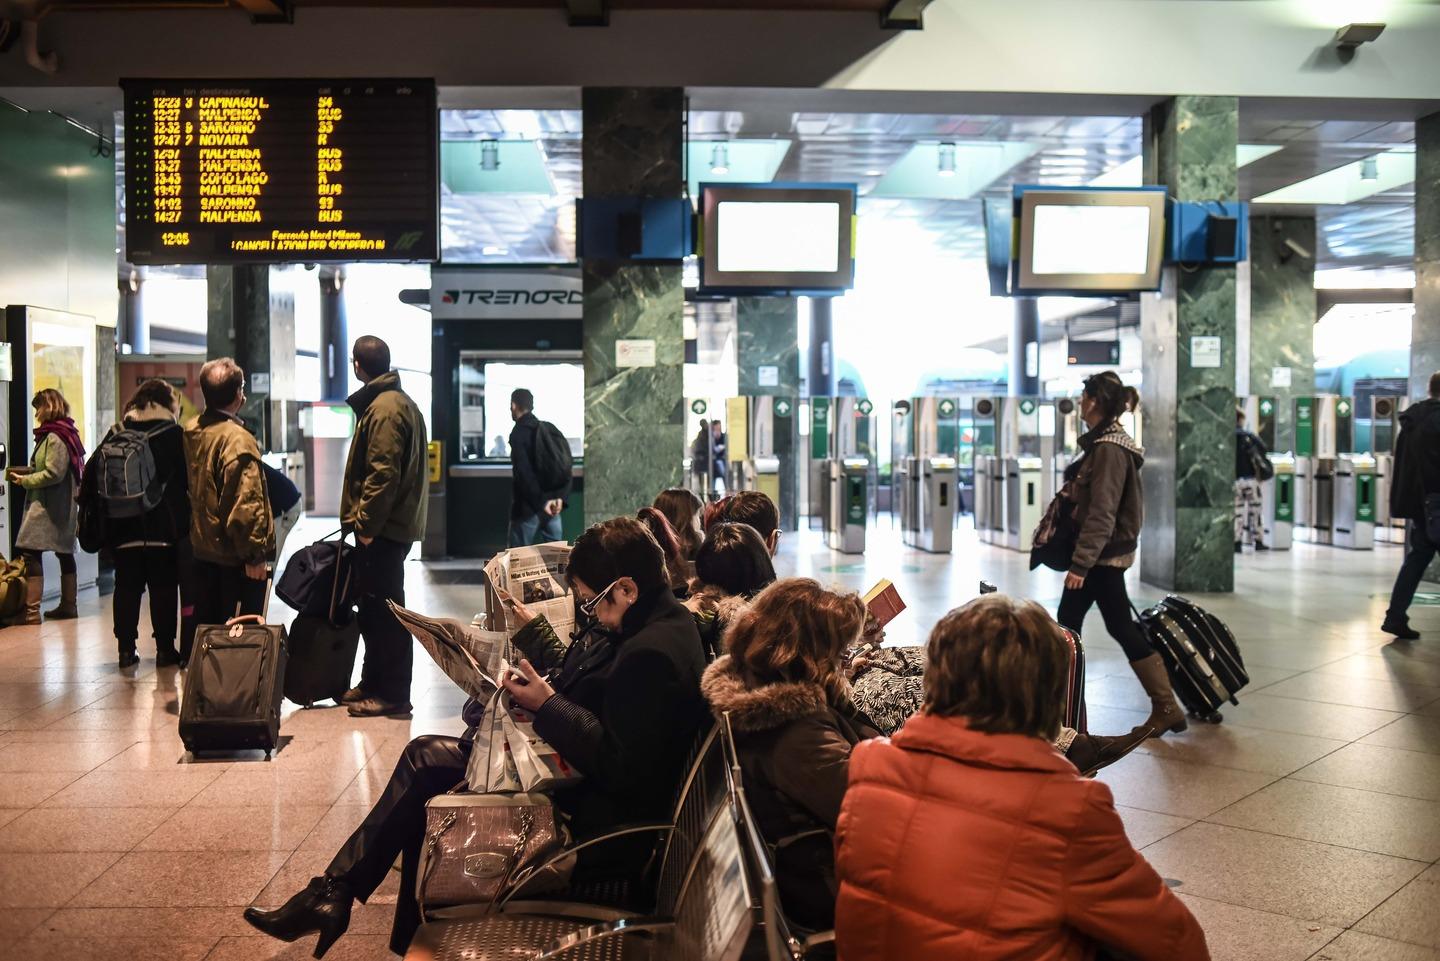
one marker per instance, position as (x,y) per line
(784,688)
(968,836)
(622,705)
(683,509)
(733,565)
(677,568)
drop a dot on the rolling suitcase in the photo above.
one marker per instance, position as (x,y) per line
(1200,655)
(1075,688)
(234,685)
(322,650)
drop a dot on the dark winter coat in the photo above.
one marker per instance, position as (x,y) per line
(1417,460)
(385,489)
(1245,443)
(169,521)
(1109,501)
(528,496)
(794,746)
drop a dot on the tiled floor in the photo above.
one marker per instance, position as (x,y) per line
(1305,826)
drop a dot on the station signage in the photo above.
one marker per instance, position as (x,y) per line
(484,294)
(281,171)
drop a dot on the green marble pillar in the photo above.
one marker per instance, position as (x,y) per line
(1188,411)
(768,355)
(1282,316)
(252,319)
(1425,328)
(634,422)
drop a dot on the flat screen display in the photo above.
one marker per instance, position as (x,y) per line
(1099,241)
(281,171)
(777,238)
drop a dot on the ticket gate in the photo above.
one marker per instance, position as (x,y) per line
(928,503)
(1024,500)
(1353,522)
(846,503)
(1387,528)
(1278,503)
(989,499)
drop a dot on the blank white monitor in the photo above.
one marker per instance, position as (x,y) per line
(1076,239)
(778,237)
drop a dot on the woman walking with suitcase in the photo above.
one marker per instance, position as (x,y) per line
(50,513)
(1104,486)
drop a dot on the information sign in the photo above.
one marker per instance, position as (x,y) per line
(281,171)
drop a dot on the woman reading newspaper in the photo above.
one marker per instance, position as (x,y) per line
(621,704)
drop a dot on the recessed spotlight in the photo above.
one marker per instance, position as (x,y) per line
(874,173)
(720,160)
(945,160)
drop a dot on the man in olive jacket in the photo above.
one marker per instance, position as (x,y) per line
(383,503)
(231,532)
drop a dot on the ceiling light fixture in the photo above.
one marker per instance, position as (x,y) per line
(720,160)
(945,160)
(1369,169)
(489,155)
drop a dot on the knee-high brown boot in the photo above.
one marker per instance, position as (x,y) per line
(65,610)
(1165,712)
(30,611)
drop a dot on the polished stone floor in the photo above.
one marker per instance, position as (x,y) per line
(1305,826)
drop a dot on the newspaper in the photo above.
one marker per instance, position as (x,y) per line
(534,576)
(469,656)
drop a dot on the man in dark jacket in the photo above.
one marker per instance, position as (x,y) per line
(1249,523)
(1415,478)
(535,506)
(383,503)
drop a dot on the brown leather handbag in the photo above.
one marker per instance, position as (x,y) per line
(477,846)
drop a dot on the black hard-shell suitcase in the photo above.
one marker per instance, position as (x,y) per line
(234,686)
(1200,655)
(322,658)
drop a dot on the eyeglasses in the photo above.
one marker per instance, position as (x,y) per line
(588,607)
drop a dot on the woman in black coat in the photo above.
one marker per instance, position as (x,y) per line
(621,705)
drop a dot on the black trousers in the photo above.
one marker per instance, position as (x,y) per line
(395,826)
(1419,552)
(385,671)
(1105,586)
(136,570)
(220,592)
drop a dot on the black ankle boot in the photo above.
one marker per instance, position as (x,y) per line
(128,657)
(324,907)
(1091,752)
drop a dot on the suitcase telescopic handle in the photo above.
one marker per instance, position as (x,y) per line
(245,619)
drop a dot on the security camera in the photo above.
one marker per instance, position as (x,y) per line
(1352,35)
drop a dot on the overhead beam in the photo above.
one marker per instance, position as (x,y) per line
(268,11)
(588,13)
(1327,297)
(904,15)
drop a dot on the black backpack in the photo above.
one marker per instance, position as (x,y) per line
(127,481)
(554,464)
(1259,460)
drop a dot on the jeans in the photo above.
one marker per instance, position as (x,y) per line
(395,826)
(1419,552)
(1105,586)
(136,569)
(389,649)
(523,530)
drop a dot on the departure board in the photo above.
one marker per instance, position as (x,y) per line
(281,171)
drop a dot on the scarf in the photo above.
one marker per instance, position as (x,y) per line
(64,428)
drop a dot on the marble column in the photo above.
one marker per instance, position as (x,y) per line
(634,417)
(1024,340)
(768,354)
(251,317)
(822,378)
(1425,327)
(1188,411)
(1282,316)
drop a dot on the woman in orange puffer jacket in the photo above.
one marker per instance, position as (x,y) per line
(967,837)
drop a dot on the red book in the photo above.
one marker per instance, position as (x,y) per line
(883,601)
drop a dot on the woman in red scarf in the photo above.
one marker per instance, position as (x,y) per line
(50,513)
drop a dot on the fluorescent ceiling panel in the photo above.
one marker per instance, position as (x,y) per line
(1248,153)
(977,166)
(1343,185)
(748,161)
(522,168)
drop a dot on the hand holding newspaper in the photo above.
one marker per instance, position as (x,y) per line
(469,656)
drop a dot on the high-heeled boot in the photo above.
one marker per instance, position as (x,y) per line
(1165,712)
(65,610)
(324,907)
(30,611)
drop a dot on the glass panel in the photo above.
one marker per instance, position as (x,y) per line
(472,405)
(559,390)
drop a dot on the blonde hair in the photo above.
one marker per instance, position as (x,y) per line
(50,405)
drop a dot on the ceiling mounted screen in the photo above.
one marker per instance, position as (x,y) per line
(1089,241)
(281,171)
(777,238)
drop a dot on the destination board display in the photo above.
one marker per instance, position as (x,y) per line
(281,171)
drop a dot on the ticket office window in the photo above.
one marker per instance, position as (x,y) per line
(485,385)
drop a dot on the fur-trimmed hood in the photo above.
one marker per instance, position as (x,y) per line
(147,413)
(758,708)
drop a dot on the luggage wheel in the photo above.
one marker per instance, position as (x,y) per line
(1213,718)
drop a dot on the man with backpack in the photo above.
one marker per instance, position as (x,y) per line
(1252,467)
(1415,497)
(543,467)
(383,505)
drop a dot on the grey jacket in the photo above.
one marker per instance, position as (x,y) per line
(1109,501)
(50,511)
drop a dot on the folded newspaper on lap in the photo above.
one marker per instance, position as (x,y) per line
(534,576)
(469,656)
